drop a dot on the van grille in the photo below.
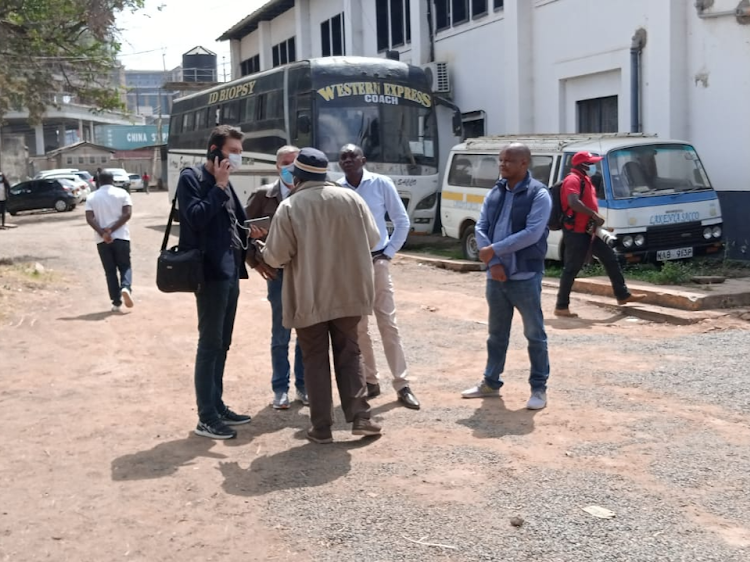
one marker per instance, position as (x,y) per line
(674,236)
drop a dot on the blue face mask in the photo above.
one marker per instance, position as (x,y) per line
(286,175)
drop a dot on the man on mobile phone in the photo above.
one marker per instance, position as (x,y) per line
(263,203)
(212,218)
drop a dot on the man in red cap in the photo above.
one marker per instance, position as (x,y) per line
(581,219)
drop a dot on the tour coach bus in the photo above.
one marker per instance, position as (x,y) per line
(384,106)
(654,194)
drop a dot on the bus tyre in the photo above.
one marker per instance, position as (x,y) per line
(469,244)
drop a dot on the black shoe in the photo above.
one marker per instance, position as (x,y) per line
(373,390)
(407,398)
(320,436)
(215,430)
(230,418)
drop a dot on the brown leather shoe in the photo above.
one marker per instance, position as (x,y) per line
(631,298)
(365,427)
(565,313)
(320,436)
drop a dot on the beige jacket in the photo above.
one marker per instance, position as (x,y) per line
(322,235)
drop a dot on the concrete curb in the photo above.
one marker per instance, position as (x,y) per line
(462,266)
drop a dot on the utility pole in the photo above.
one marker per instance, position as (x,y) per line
(159,141)
(224,66)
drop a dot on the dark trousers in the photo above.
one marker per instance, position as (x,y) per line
(350,377)
(217,307)
(2,211)
(576,247)
(116,258)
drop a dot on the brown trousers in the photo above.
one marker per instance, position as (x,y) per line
(350,377)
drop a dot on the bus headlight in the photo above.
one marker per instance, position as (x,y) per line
(640,240)
(427,203)
(716,231)
(627,242)
(708,233)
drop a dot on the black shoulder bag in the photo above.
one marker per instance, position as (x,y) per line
(178,271)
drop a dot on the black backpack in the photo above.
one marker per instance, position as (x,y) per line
(557,217)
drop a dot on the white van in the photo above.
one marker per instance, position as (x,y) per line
(654,194)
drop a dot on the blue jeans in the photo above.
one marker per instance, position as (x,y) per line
(503,298)
(217,307)
(116,257)
(280,338)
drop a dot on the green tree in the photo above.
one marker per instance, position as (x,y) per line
(59,46)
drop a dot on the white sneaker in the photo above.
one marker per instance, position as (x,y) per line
(127,297)
(302,397)
(281,401)
(482,390)
(538,400)
(115,308)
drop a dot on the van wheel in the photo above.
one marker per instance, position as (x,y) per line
(469,244)
(61,205)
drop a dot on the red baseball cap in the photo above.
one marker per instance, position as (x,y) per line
(585,158)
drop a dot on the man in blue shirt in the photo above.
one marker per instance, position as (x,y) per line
(382,198)
(512,234)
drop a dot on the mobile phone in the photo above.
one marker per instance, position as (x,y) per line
(214,154)
(263,222)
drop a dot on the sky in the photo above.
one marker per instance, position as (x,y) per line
(177,28)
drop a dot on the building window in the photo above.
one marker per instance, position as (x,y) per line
(459,11)
(478,8)
(393,21)
(250,66)
(104,159)
(92,159)
(598,115)
(442,14)
(474,124)
(499,4)
(284,52)
(332,36)
(69,160)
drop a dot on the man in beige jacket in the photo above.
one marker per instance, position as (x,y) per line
(322,236)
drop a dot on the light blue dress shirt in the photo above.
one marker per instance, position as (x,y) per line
(381,197)
(504,243)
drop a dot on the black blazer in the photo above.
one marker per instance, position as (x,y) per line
(205,224)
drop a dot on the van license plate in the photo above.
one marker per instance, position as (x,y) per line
(676,254)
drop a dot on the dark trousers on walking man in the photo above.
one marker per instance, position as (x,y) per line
(577,246)
(350,378)
(115,259)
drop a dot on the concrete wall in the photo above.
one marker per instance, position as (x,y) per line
(14,158)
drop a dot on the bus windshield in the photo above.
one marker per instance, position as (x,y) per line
(390,128)
(657,169)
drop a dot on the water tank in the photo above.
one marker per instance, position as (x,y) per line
(199,65)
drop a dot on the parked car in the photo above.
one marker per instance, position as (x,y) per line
(46,193)
(136,182)
(88,178)
(56,171)
(121,177)
(81,184)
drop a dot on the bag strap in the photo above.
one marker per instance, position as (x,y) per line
(199,176)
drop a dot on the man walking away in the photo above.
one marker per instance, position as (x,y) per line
(512,234)
(4,194)
(263,203)
(381,197)
(322,236)
(581,219)
(212,219)
(108,210)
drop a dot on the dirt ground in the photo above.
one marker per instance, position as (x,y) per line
(99,461)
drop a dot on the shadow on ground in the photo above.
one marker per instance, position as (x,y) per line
(493,420)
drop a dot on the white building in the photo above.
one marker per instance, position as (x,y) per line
(532,66)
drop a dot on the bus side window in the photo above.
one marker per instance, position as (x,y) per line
(248,110)
(301,126)
(200,119)
(174,124)
(188,122)
(260,107)
(230,113)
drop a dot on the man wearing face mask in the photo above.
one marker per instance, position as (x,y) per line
(212,220)
(581,219)
(263,203)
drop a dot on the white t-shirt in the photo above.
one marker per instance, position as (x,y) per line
(107,203)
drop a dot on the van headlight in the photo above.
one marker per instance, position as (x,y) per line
(640,240)
(708,233)
(627,242)
(716,231)
(427,203)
